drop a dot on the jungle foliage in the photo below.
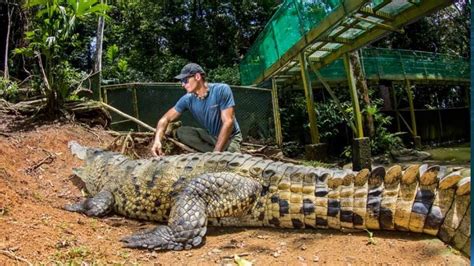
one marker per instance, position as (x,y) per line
(52,47)
(52,43)
(333,128)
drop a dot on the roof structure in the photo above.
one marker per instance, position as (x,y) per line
(323,31)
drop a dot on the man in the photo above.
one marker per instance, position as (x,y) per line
(212,105)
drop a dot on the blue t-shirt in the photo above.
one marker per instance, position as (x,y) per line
(208,111)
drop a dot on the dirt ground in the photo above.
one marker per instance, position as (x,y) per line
(36,182)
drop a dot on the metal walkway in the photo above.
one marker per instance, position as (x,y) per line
(322,31)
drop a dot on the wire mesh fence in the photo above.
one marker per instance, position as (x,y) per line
(149,101)
(381,63)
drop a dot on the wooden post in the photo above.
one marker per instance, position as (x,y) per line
(105,98)
(276,114)
(412,108)
(355,100)
(308,91)
(135,104)
(395,108)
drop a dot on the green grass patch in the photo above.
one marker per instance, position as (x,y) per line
(455,154)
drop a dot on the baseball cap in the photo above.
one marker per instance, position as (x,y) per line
(190,69)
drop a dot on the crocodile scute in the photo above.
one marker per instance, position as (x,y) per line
(188,192)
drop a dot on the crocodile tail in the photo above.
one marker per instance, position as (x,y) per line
(426,199)
(431,200)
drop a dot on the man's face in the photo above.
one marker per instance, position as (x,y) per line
(190,83)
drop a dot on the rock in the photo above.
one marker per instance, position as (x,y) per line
(409,155)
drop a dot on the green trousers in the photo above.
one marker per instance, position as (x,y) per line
(200,140)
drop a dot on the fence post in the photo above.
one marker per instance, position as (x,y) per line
(135,104)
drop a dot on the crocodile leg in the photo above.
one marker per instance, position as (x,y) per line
(209,195)
(100,205)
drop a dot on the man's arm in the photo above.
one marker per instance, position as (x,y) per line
(170,116)
(227,117)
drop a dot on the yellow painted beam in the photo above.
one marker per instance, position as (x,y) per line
(308,91)
(355,99)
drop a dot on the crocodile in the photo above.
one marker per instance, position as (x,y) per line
(188,192)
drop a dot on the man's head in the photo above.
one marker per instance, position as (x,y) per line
(191,77)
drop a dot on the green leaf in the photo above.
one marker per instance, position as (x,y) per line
(99,8)
(84,7)
(122,65)
(33,3)
(112,53)
(372,109)
(73,4)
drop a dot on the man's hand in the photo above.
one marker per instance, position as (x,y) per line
(171,115)
(156,149)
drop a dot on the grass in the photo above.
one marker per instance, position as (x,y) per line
(72,254)
(459,154)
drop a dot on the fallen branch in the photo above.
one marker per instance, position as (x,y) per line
(277,158)
(181,145)
(128,117)
(177,143)
(133,134)
(285,160)
(47,160)
(5,134)
(13,256)
(232,256)
(253,144)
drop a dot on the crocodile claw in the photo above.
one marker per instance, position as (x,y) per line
(159,238)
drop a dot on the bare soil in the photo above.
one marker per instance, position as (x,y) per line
(36,182)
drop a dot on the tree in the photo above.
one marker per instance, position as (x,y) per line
(156,38)
(10,8)
(54,31)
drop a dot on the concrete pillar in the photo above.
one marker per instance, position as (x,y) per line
(361,154)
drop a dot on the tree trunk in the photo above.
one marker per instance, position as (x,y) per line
(6,74)
(361,85)
(98,46)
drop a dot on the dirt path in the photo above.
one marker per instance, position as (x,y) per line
(36,181)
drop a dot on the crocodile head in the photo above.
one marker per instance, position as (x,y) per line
(90,173)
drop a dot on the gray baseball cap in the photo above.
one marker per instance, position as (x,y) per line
(190,69)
